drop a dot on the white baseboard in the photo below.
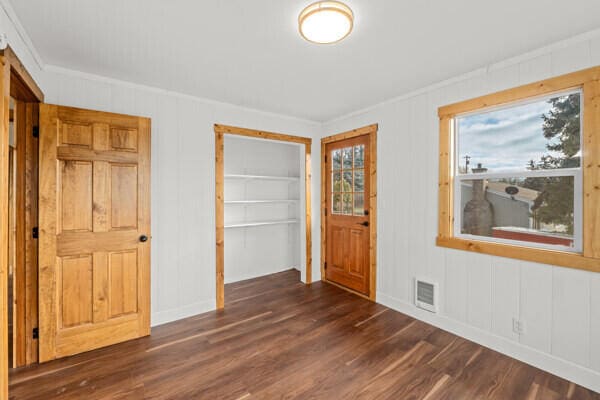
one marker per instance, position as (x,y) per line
(565,369)
(162,317)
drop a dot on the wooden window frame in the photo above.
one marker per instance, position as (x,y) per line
(371,131)
(588,81)
(220,132)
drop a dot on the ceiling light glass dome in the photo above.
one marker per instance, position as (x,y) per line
(326,22)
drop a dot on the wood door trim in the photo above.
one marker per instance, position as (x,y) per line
(14,80)
(220,131)
(25,293)
(25,88)
(371,131)
(4,129)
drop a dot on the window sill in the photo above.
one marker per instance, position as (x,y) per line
(544,256)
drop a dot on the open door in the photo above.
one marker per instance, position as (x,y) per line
(94,215)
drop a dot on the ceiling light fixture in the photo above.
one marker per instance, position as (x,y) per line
(326,22)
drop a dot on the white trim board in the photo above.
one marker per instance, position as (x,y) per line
(20,30)
(547,362)
(158,90)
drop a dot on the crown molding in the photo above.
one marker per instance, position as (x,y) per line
(475,73)
(21,32)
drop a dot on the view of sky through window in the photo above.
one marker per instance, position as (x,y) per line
(506,139)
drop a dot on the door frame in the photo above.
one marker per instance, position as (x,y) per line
(371,131)
(16,81)
(220,132)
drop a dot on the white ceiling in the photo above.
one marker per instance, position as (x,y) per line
(248,52)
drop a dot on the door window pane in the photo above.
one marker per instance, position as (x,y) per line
(336,159)
(337,203)
(337,182)
(347,181)
(359,204)
(359,180)
(347,204)
(359,156)
(347,157)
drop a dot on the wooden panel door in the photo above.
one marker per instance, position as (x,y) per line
(347,219)
(94,211)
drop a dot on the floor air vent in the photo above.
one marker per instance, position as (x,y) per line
(426,295)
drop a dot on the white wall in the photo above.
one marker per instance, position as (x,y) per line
(183,205)
(262,250)
(480,294)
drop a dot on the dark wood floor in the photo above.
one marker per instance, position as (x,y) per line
(279,339)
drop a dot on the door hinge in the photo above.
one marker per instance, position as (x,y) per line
(325,212)
(35,233)
(35,333)
(36,131)
(325,265)
(325,159)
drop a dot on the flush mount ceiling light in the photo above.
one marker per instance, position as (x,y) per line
(326,22)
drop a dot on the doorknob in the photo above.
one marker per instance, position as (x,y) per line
(143,238)
(366,223)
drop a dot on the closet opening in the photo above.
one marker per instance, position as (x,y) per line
(262,206)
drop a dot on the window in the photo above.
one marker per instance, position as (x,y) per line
(348,178)
(520,172)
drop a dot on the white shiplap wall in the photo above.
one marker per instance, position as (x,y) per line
(183,243)
(480,294)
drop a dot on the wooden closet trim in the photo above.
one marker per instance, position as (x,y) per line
(371,131)
(220,132)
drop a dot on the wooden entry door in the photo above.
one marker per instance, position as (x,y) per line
(94,213)
(347,216)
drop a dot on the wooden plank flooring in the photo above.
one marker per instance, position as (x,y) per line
(280,339)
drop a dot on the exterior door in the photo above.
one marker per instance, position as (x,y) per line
(347,219)
(94,214)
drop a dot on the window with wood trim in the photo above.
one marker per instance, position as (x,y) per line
(520,172)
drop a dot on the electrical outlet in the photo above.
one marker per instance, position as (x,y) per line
(518,326)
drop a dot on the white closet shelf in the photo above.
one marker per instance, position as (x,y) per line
(261,201)
(264,223)
(262,177)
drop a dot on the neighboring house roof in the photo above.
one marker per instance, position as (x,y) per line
(524,194)
(499,188)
